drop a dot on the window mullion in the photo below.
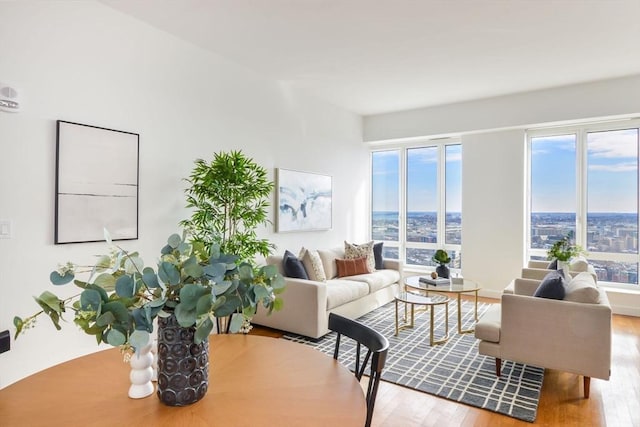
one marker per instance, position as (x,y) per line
(581,188)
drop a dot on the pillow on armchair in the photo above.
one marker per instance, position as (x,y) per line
(552,286)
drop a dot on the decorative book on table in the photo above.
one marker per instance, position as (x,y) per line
(440,281)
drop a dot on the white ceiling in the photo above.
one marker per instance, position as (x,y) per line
(376,56)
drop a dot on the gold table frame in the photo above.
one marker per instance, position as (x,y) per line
(412,299)
(413,283)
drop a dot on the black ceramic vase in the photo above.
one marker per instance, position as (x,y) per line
(183,366)
(443,271)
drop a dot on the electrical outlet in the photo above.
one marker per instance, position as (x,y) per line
(5,341)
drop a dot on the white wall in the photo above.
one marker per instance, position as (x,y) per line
(494,163)
(492,213)
(84,62)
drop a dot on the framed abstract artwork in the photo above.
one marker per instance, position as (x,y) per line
(304,201)
(96,183)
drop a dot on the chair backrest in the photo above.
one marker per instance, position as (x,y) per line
(377,347)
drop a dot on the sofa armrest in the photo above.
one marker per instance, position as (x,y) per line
(555,334)
(392,264)
(304,309)
(526,287)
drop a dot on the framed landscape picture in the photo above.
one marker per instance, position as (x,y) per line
(96,183)
(304,201)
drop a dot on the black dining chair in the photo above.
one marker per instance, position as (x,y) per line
(377,348)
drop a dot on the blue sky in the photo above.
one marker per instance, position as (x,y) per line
(421,179)
(612,172)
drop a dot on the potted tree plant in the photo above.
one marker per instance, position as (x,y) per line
(441,257)
(229,197)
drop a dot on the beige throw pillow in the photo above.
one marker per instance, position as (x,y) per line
(582,288)
(353,251)
(313,264)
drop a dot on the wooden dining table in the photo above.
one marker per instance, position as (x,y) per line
(253,381)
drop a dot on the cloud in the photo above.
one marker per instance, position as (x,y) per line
(613,144)
(615,167)
(423,155)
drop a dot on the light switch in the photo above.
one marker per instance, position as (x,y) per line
(5,229)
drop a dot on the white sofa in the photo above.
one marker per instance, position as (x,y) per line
(307,303)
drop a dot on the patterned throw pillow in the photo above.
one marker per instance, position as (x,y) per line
(313,265)
(351,267)
(352,251)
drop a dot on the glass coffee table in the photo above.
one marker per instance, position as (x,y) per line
(412,299)
(467,286)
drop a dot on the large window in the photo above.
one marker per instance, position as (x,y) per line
(416,202)
(584,181)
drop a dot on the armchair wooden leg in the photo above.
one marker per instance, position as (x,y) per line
(498,366)
(587,384)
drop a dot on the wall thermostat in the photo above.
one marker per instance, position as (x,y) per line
(9,98)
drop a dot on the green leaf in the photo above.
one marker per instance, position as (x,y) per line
(107,236)
(105,319)
(124,286)
(231,303)
(215,271)
(184,248)
(185,317)
(51,301)
(245,271)
(174,241)
(278,304)
(150,278)
(101,291)
(237,320)
(90,300)
(189,295)
(103,263)
(157,302)
(19,324)
(203,331)
(119,310)
(133,264)
(116,338)
(261,292)
(168,273)
(270,270)
(204,304)
(192,268)
(106,281)
(278,282)
(166,250)
(221,288)
(138,339)
(58,280)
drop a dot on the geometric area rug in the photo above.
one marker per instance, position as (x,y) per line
(453,370)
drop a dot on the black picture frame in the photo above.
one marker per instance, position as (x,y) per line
(97,183)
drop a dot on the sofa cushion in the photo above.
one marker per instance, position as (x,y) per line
(351,267)
(579,263)
(378,280)
(342,291)
(582,288)
(377,255)
(313,265)
(328,257)
(352,251)
(552,286)
(488,327)
(293,267)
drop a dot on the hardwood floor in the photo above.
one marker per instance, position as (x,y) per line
(613,403)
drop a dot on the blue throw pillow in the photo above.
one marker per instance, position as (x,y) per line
(553,265)
(293,267)
(377,256)
(552,286)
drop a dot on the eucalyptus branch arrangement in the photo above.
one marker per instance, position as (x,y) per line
(121,297)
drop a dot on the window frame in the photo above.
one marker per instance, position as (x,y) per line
(402,244)
(581,131)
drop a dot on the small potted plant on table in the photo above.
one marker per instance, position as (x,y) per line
(441,257)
